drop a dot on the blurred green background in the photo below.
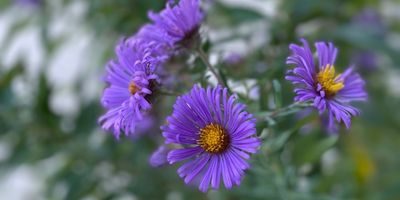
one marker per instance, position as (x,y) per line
(52,57)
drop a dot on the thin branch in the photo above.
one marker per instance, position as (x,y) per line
(292,108)
(204,58)
(167,92)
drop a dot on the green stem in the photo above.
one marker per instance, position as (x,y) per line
(168,92)
(284,110)
(203,56)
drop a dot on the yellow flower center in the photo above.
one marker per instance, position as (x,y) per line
(328,80)
(133,88)
(213,138)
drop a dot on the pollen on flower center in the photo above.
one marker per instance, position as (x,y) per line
(213,138)
(329,81)
(133,88)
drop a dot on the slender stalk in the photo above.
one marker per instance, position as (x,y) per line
(168,92)
(284,110)
(204,58)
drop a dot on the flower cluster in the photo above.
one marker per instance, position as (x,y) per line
(132,77)
(208,129)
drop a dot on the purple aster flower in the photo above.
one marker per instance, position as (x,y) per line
(131,78)
(159,157)
(371,21)
(233,58)
(30,3)
(145,127)
(320,83)
(216,135)
(175,24)
(365,60)
(368,21)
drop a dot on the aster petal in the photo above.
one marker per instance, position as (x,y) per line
(114,96)
(234,166)
(159,157)
(248,145)
(208,176)
(193,167)
(327,53)
(353,90)
(342,112)
(234,121)
(196,170)
(216,172)
(177,22)
(226,173)
(302,57)
(183,154)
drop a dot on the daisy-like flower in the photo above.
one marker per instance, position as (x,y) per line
(321,84)
(216,136)
(131,80)
(175,24)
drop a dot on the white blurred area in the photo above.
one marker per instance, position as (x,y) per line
(267,8)
(241,40)
(72,67)
(246,37)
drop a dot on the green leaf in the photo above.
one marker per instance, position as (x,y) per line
(310,148)
(277,93)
